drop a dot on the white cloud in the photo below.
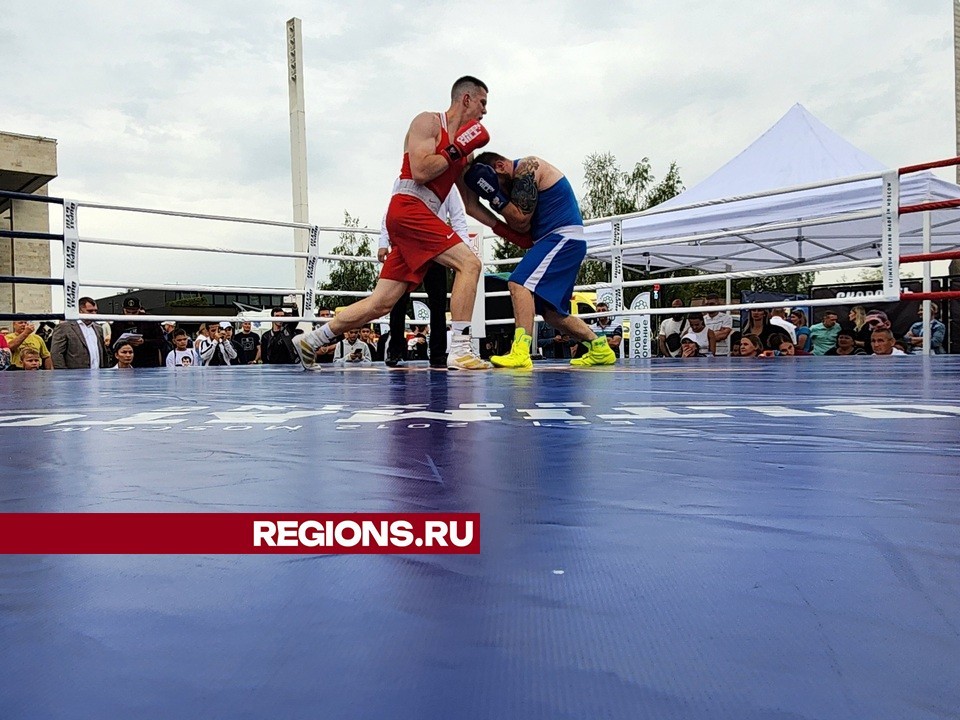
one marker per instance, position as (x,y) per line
(184,105)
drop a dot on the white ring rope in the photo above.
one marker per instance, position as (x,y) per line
(729,240)
(657,210)
(195,216)
(192,248)
(202,288)
(699,239)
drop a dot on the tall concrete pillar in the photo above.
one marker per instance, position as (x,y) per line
(955,264)
(956,76)
(27,164)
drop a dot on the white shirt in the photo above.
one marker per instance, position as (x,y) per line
(451,208)
(669,327)
(345,348)
(93,343)
(787,326)
(717,322)
(702,339)
(175,358)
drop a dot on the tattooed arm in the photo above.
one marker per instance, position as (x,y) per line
(524,193)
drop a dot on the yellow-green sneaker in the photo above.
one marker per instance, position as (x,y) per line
(519,355)
(600,353)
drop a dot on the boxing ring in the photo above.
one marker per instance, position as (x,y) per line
(722,538)
(671,542)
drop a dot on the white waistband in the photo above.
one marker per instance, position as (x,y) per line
(402,186)
(573,232)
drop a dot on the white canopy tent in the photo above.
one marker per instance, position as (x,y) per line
(840,222)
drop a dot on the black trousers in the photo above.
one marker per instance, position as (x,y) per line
(435,285)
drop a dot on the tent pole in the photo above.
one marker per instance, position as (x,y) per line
(926,285)
(616,270)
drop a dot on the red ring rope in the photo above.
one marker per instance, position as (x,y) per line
(942,295)
(930,257)
(929,166)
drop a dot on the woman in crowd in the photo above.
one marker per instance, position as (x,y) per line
(123,352)
(781,345)
(846,344)
(799,318)
(750,345)
(759,324)
(857,325)
(690,347)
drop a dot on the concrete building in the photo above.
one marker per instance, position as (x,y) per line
(27,165)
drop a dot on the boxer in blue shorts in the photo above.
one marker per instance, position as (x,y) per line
(535,197)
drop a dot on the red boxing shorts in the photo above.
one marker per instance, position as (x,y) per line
(417,236)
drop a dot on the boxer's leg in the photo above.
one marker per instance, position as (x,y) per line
(524,311)
(461,259)
(384,297)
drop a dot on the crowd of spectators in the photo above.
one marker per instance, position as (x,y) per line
(782,332)
(137,341)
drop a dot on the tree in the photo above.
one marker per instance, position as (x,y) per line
(611,191)
(347,275)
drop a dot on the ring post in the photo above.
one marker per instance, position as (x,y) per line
(890,236)
(926,284)
(71,257)
(310,279)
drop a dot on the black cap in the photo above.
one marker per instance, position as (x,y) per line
(131,303)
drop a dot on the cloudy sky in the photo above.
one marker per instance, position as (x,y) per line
(183,105)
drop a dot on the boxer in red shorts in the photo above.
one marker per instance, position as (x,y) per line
(436,150)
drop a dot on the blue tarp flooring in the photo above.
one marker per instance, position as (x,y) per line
(689,539)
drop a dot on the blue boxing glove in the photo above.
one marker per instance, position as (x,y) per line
(483,180)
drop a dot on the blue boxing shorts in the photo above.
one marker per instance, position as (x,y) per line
(549,270)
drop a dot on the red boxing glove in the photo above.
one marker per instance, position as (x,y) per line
(521,240)
(469,137)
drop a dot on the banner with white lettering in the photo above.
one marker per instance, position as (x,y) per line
(901,314)
(640,327)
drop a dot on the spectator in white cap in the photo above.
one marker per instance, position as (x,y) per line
(227,330)
(221,350)
(689,347)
